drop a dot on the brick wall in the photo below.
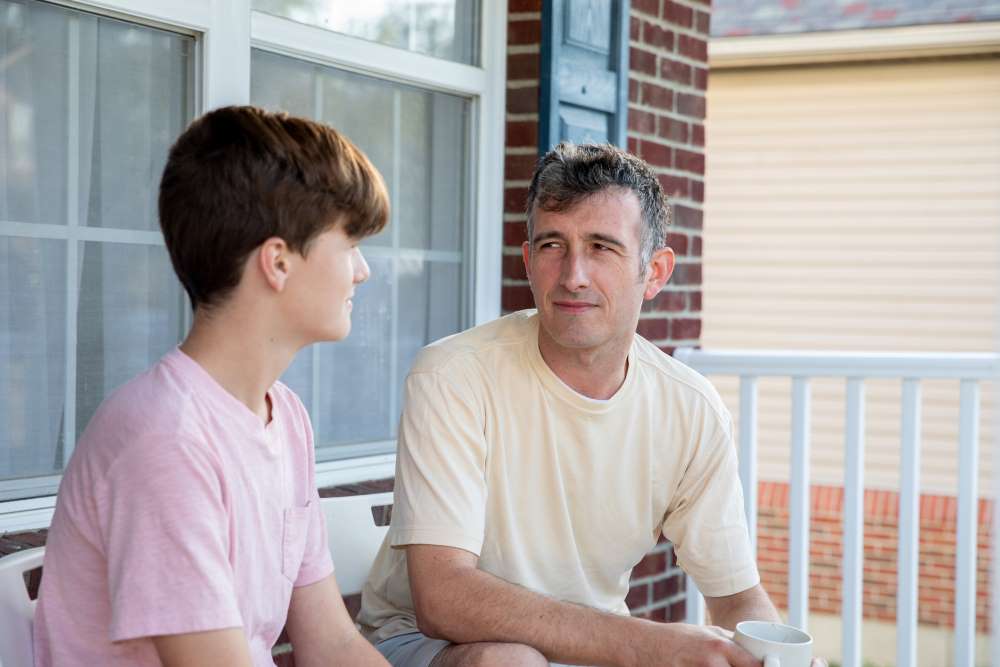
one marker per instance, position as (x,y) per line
(936,582)
(667,81)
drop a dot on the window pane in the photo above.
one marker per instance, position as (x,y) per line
(88,108)
(130,314)
(418,139)
(446,29)
(32,355)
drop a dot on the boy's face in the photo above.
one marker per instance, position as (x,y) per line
(319,291)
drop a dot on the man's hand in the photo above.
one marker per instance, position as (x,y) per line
(684,645)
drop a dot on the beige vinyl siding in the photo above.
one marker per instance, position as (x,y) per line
(855,207)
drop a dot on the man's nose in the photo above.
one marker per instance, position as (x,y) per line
(575,275)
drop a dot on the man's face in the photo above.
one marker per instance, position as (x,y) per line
(323,284)
(583,264)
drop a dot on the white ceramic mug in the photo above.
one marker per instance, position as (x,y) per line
(776,644)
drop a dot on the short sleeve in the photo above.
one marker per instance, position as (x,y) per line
(166,534)
(706,521)
(440,493)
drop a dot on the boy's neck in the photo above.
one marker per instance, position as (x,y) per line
(240,354)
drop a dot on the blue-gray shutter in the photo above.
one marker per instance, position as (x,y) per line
(584,77)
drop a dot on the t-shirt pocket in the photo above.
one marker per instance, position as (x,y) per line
(293,540)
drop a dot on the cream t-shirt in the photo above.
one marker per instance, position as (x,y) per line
(554,491)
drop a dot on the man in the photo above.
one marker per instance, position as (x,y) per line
(188,527)
(542,455)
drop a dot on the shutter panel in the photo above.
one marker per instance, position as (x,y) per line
(584,77)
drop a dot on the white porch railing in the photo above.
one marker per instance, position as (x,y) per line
(855,368)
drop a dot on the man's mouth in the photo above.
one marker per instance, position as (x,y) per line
(573,307)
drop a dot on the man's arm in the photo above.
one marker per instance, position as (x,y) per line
(753,604)
(204,649)
(454,600)
(322,632)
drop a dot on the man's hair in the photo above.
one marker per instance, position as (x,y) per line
(569,173)
(240,175)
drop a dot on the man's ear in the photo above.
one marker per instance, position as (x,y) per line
(661,266)
(526,254)
(274,261)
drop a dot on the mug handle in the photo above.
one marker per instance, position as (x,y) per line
(771,660)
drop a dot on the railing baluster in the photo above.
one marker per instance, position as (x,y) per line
(854,505)
(694,604)
(798,580)
(966,540)
(909,528)
(748,452)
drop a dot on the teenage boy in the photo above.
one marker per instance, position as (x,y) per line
(188,529)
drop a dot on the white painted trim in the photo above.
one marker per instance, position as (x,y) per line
(348,471)
(488,156)
(846,45)
(325,47)
(176,15)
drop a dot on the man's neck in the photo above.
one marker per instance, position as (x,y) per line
(240,354)
(595,373)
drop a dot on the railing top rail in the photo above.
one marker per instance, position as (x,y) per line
(800,363)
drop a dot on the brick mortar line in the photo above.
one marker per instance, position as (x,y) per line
(518,49)
(687,89)
(519,84)
(523,16)
(672,115)
(521,150)
(663,24)
(659,53)
(527,116)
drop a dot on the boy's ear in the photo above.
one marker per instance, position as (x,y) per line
(274,262)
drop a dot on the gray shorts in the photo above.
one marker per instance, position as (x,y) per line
(413,649)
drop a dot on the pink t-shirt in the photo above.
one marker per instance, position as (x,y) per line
(179,512)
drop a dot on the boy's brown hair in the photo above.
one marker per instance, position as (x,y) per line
(240,175)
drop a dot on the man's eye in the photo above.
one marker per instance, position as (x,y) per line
(601,246)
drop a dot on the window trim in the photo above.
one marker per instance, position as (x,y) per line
(225,32)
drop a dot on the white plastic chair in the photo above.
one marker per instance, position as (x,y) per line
(17,610)
(354,537)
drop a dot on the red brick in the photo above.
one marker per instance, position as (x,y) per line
(522,100)
(514,234)
(633,145)
(522,133)
(694,299)
(642,61)
(686,274)
(657,96)
(698,191)
(641,121)
(651,7)
(651,564)
(678,14)
(666,588)
(518,6)
(516,297)
(522,66)
(697,134)
(688,161)
(674,70)
(702,22)
(688,105)
(674,130)
(657,37)
(524,32)
(685,328)
(687,217)
(514,199)
(654,153)
(678,242)
(638,596)
(659,614)
(654,329)
(633,91)
(674,186)
(701,78)
(519,167)
(634,28)
(693,47)
(667,301)
(513,267)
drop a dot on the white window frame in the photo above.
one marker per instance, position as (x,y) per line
(227,30)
